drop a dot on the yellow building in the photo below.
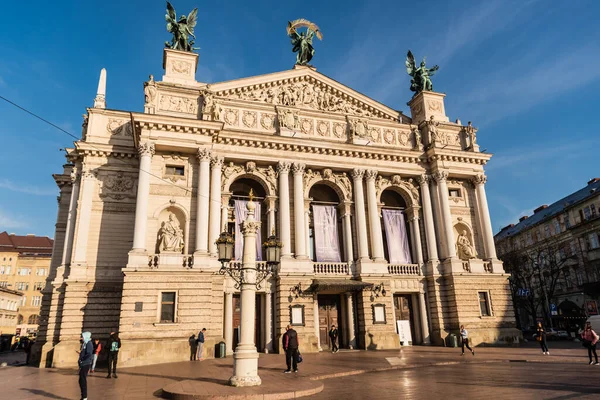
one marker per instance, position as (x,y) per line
(24,265)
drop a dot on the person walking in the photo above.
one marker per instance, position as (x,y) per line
(113,346)
(590,338)
(290,345)
(200,342)
(28,347)
(541,338)
(97,349)
(464,335)
(333,335)
(85,361)
(193,347)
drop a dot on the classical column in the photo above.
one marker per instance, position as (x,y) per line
(350,317)
(348,233)
(270,204)
(71,218)
(440,177)
(299,219)
(374,218)
(428,218)
(245,358)
(84,213)
(283,169)
(225,210)
(202,201)
(268,323)
(146,151)
(307,226)
(416,233)
(316,315)
(424,322)
(216,163)
(484,212)
(229,322)
(361,221)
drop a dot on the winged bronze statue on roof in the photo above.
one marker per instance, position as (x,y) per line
(421,76)
(302,41)
(182,30)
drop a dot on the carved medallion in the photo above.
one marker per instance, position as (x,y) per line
(403,138)
(118,186)
(118,127)
(249,119)
(374,133)
(323,128)
(267,121)
(181,67)
(339,129)
(231,116)
(306,125)
(388,136)
(360,128)
(288,119)
(434,105)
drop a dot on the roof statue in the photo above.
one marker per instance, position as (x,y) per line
(302,42)
(421,76)
(182,30)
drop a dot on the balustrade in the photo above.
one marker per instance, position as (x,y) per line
(404,269)
(331,268)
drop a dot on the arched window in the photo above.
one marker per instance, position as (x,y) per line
(20,320)
(33,320)
(396,231)
(325,225)
(238,212)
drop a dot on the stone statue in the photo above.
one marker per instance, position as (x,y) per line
(417,137)
(149,95)
(464,248)
(170,236)
(182,30)
(471,133)
(302,42)
(421,76)
(432,131)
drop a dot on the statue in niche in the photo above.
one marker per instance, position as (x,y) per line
(170,236)
(465,249)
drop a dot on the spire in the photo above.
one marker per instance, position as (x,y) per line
(100,100)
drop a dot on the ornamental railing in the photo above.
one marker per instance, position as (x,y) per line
(404,269)
(330,268)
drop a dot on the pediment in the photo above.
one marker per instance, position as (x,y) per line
(305,88)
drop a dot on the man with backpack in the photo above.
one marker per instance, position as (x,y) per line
(113,345)
(290,345)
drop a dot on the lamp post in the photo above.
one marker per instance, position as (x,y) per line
(248,279)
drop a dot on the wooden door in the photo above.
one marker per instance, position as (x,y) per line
(328,315)
(237,317)
(403,309)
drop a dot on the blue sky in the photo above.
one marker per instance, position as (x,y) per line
(525,72)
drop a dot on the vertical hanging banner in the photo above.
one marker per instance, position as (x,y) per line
(397,239)
(241,213)
(327,248)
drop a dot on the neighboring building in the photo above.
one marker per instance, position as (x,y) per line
(24,267)
(145,196)
(571,228)
(9,301)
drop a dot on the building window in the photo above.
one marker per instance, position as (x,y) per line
(568,281)
(454,193)
(22,285)
(484,304)
(36,301)
(547,231)
(593,240)
(587,213)
(3,284)
(557,227)
(167,307)
(567,222)
(177,170)
(39,285)
(41,272)
(33,320)
(593,209)
(579,278)
(23,301)
(24,271)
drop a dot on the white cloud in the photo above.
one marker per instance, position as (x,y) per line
(36,191)
(10,222)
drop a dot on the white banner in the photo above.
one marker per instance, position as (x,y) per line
(241,213)
(397,239)
(327,247)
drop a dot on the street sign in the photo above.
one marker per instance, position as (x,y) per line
(553,309)
(522,292)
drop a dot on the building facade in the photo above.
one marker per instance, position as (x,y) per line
(9,302)
(24,267)
(565,236)
(383,218)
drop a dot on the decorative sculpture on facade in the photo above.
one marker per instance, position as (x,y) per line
(149,95)
(418,142)
(421,76)
(465,249)
(302,41)
(170,235)
(182,30)
(433,134)
(471,136)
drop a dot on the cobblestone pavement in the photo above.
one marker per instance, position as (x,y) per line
(409,373)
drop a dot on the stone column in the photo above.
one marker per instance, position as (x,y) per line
(424,322)
(216,163)
(307,227)
(440,177)
(348,233)
(268,323)
(316,315)
(203,201)
(361,221)
(71,219)
(482,204)
(84,213)
(428,218)
(270,204)
(299,218)
(416,233)
(245,358)
(224,210)
(146,151)
(374,218)
(228,331)
(350,317)
(283,168)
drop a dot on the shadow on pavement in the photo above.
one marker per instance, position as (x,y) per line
(45,394)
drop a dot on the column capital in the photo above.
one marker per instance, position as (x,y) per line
(204,154)
(216,161)
(423,179)
(298,168)
(440,176)
(146,149)
(371,174)
(357,174)
(480,179)
(283,167)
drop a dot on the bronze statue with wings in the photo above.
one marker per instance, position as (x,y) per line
(302,42)
(421,76)
(182,30)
